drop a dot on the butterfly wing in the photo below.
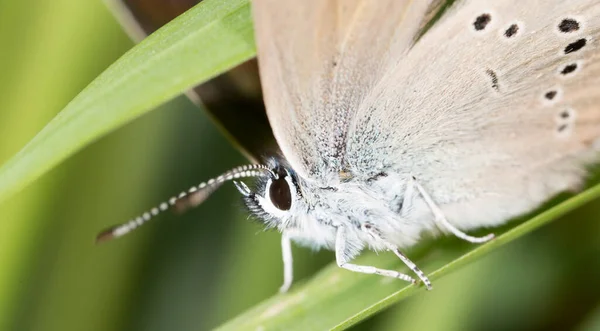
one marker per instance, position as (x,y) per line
(318,60)
(495,109)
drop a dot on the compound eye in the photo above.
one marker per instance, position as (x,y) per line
(280,193)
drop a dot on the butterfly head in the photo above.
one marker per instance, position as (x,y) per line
(310,210)
(277,196)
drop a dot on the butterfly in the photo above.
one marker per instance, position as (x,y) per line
(392,129)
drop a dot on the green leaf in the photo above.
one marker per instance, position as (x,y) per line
(337,299)
(207,40)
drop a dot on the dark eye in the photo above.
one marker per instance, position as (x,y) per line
(280,194)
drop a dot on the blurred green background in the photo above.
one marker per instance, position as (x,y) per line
(195,271)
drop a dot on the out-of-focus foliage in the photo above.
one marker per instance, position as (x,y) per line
(201,43)
(196,271)
(183,272)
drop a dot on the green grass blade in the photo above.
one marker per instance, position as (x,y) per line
(207,40)
(337,299)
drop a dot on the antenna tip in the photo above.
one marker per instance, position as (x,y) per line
(105,235)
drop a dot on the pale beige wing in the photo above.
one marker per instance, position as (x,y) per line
(318,60)
(495,109)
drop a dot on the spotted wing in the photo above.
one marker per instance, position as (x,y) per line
(495,109)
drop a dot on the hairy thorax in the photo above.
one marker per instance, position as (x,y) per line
(354,204)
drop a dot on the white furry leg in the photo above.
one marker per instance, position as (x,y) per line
(410,264)
(342,257)
(288,263)
(441,220)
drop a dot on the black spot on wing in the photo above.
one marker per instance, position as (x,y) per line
(568,69)
(564,121)
(482,21)
(494,76)
(569,25)
(562,127)
(550,95)
(511,31)
(575,46)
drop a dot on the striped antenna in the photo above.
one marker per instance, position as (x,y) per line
(185,200)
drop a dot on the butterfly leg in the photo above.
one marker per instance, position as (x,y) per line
(410,264)
(343,255)
(443,222)
(288,263)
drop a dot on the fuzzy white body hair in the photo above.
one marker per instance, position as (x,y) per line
(314,218)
